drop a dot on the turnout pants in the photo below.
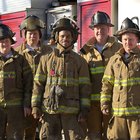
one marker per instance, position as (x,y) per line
(124,128)
(97,123)
(30,128)
(11,123)
(56,126)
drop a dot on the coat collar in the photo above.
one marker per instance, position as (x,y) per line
(135,51)
(64,50)
(90,45)
(24,48)
(14,54)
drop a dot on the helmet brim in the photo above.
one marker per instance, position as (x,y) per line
(108,24)
(63,28)
(12,40)
(32,23)
(119,33)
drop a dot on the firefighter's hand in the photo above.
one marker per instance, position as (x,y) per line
(41,119)
(27,111)
(82,115)
(36,112)
(105,109)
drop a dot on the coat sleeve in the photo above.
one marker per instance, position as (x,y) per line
(107,86)
(39,83)
(85,85)
(27,83)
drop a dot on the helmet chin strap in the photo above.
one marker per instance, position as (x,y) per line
(72,44)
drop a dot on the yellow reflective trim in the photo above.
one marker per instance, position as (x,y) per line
(67,81)
(85,102)
(84,80)
(7,74)
(36,98)
(127,82)
(62,81)
(105,97)
(40,77)
(126,111)
(95,97)
(108,78)
(97,70)
(26,69)
(12,102)
(61,109)
(34,66)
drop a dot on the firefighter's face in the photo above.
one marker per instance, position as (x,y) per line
(101,33)
(129,41)
(5,45)
(65,38)
(32,37)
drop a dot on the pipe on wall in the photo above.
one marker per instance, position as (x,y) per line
(114,15)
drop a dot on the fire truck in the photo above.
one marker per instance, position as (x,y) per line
(13,12)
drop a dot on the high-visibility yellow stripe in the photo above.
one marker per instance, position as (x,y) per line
(108,78)
(40,77)
(127,82)
(34,66)
(105,97)
(95,97)
(7,74)
(124,82)
(97,70)
(26,69)
(62,81)
(12,102)
(36,98)
(84,80)
(126,111)
(61,109)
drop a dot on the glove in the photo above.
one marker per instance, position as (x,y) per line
(27,111)
(36,112)
(56,93)
(51,100)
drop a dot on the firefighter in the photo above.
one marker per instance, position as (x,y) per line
(62,87)
(32,49)
(97,52)
(15,87)
(121,86)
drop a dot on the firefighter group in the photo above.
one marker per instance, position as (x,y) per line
(92,94)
